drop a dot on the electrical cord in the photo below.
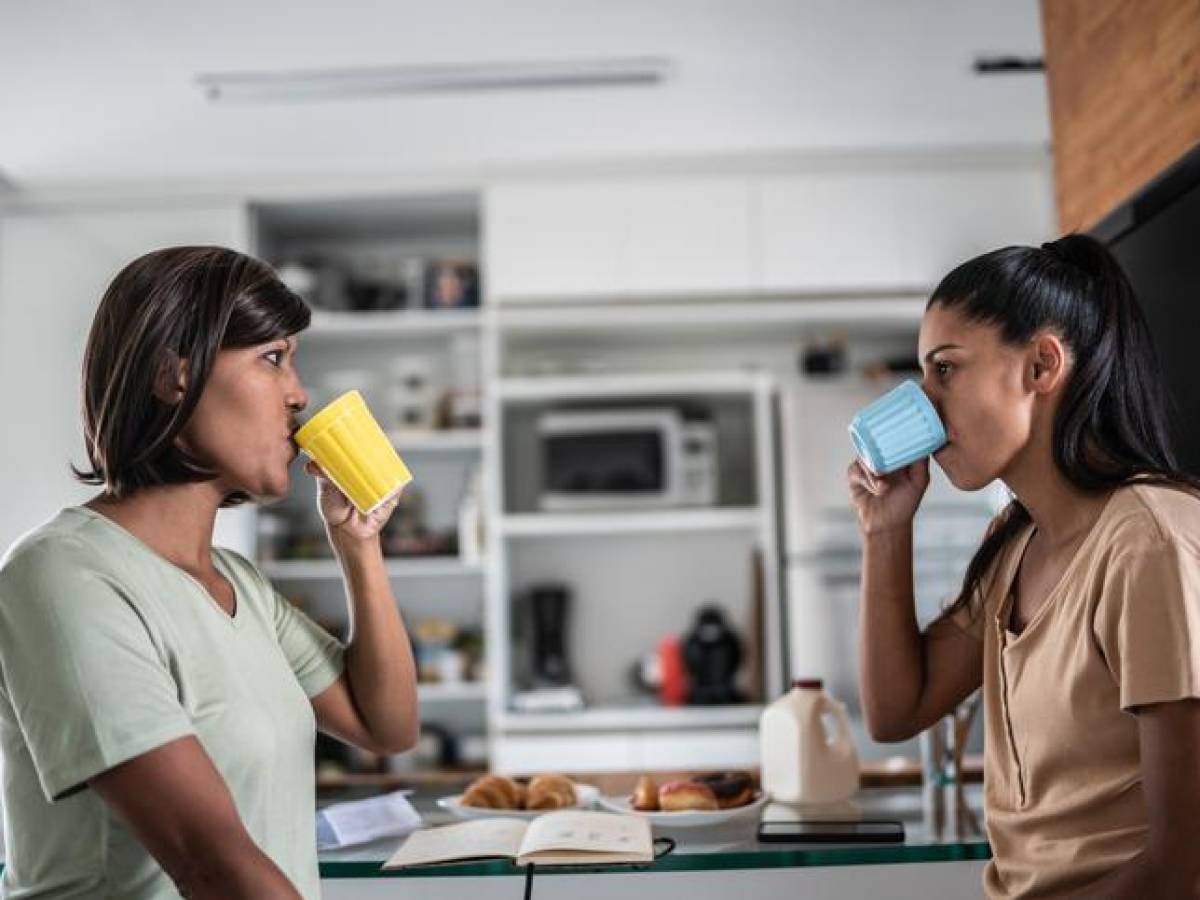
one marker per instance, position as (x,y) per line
(669,846)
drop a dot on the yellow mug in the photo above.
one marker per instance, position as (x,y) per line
(349,445)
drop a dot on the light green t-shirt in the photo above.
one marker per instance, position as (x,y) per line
(108,651)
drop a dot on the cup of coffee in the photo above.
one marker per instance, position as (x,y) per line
(897,429)
(352,449)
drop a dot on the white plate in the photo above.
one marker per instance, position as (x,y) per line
(585,795)
(689,818)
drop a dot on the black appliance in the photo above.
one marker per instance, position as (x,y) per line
(712,653)
(1155,235)
(549,606)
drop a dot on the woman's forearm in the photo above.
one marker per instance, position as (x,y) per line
(890,664)
(379,661)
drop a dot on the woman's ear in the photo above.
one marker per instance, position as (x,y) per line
(170,382)
(1047,363)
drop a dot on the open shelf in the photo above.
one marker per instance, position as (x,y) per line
(635,718)
(748,316)
(473,691)
(328,569)
(656,384)
(624,522)
(391,324)
(464,440)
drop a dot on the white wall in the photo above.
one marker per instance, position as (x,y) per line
(54,268)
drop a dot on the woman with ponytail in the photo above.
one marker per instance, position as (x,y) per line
(1080,613)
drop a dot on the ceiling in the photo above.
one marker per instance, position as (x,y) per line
(103,92)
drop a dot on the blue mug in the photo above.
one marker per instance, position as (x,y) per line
(897,429)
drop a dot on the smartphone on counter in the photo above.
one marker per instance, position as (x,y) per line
(851,831)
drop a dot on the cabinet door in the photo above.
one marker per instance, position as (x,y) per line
(616,237)
(830,232)
(899,230)
(53,269)
(555,240)
(689,235)
(950,217)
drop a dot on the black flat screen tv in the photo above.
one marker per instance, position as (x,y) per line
(1156,237)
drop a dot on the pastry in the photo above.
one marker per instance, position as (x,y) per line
(677,796)
(730,788)
(645,795)
(550,792)
(493,792)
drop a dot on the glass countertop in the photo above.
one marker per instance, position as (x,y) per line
(699,849)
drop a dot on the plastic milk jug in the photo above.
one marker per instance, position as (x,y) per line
(801,761)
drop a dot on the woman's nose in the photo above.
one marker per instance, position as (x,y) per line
(298,397)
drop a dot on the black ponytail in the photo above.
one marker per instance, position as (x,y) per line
(1111,425)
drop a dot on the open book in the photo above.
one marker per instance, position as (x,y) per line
(566,837)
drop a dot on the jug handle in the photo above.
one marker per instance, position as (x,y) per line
(838,710)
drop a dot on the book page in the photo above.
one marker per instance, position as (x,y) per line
(477,839)
(574,835)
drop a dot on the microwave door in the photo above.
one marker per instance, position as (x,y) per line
(597,460)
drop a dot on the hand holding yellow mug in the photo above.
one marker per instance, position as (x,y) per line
(351,448)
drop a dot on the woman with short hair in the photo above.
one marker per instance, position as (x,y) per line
(159,700)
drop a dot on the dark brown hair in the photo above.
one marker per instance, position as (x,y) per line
(179,303)
(1111,427)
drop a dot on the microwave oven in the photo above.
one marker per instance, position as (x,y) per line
(636,458)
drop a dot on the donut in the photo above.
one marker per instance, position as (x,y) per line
(677,796)
(730,788)
(645,795)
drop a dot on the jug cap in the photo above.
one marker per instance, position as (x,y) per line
(808,684)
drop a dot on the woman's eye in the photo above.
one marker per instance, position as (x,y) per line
(274,357)
(942,368)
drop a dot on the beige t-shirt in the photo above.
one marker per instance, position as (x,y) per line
(1062,777)
(108,651)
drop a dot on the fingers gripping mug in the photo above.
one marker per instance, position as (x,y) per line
(348,444)
(897,429)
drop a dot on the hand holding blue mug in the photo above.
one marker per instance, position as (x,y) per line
(897,429)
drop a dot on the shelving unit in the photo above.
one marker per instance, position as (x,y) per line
(740,529)
(377,240)
(753,315)
(550,525)
(635,718)
(327,569)
(387,326)
(466,691)
(604,385)
(464,440)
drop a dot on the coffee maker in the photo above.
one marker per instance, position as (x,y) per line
(712,653)
(547,609)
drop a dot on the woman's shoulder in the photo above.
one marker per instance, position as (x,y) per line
(1154,513)
(60,544)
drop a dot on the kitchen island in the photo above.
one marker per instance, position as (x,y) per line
(706,863)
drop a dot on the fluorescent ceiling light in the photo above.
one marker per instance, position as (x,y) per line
(327,84)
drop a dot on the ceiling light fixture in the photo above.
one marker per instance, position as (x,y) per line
(329,84)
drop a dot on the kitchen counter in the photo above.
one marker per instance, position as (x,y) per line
(710,862)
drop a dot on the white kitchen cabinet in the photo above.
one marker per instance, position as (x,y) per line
(889,230)
(54,267)
(611,237)
(689,235)
(551,240)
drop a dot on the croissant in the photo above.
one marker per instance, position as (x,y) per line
(494,792)
(550,792)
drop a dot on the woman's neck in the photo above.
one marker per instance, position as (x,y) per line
(175,521)
(1062,512)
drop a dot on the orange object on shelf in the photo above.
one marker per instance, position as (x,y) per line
(673,688)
